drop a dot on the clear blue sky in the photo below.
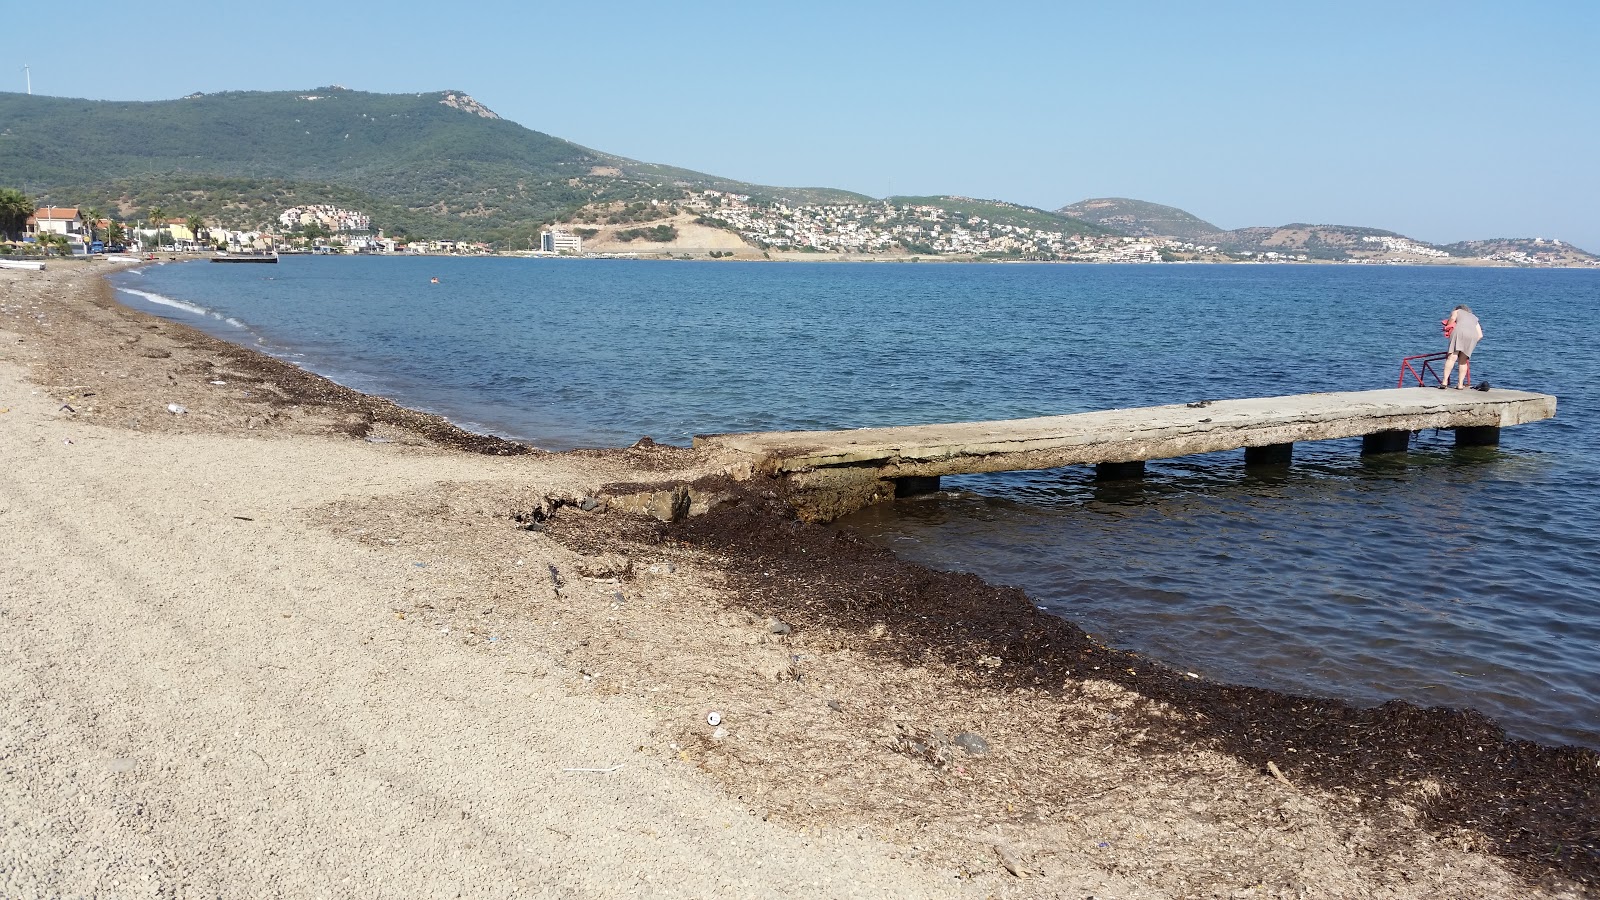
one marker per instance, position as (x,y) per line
(1444,121)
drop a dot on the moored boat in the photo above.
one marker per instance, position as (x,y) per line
(245,258)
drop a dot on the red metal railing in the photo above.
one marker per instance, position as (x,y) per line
(1420,368)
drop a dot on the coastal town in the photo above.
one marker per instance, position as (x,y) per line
(948,229)
(887,227)
(317,229)
(754,228)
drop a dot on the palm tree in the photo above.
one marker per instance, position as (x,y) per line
(50,242)
(156,217)
(115,233)
(196,226)
(15,208)
(91,215)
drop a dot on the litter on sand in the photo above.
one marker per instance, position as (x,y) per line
(598,771)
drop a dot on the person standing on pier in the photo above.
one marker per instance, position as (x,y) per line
(1464,331)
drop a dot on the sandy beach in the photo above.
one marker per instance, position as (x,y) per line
(266,636)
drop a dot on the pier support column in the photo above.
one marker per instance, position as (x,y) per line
(1269,455)
(1385,442)
(1478,436)
(1119,471)
(914,485)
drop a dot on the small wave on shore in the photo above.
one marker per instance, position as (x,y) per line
(194,308)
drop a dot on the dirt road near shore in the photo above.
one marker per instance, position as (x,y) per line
(292,641)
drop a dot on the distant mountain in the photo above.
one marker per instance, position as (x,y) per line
(1141,219)
(1002,213)
(1524,251)
(439,163)
(1347,243)
(1332,242)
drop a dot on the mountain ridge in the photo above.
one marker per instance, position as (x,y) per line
(437,162)
(1141,218)
(1318,241)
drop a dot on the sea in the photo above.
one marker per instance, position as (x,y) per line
(1462,578)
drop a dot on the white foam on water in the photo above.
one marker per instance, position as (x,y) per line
(184,305)
(168,301)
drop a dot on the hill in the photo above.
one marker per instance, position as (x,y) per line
(1002,213)
(1523,251)
(438,163)
(1326,242)
(1342,243)
(1142,219)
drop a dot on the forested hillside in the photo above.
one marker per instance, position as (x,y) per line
(437,163)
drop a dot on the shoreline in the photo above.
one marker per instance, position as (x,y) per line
(700,254)
(849,681)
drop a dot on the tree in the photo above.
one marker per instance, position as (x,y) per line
(15,208)
(197,226)
(157,218)
(116,234)
(91,215)
(50,242)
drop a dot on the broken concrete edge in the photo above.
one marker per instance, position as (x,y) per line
(533,517)
(818,496)
(670,501)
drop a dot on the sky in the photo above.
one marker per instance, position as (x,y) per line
(1442,121)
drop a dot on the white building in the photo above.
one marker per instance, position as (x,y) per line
(55,220)
(558,241)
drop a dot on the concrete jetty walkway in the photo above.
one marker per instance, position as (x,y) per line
(831,473)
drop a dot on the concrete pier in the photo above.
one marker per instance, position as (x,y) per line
(831,473)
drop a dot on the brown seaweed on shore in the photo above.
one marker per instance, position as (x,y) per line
(283,385)
(1538,807)
(295,386)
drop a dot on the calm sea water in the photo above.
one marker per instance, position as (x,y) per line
(1461,578)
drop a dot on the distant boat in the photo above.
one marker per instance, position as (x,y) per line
(245,257)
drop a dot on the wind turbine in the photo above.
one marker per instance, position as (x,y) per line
(29,75)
